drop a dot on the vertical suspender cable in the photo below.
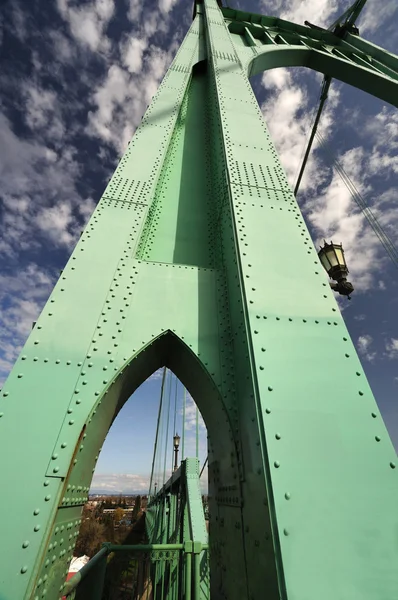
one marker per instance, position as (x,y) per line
(174,425)
(183,423)
(157,429)
(197,432)
(167,429)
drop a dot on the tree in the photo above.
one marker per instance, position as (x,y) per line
(91,536)
(118,514)
(136,509)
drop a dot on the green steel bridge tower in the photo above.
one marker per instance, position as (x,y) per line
(197,257)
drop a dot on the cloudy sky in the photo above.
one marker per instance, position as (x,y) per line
(75,80)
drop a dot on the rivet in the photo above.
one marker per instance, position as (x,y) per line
(373,415)
(278,436)
(46,483)
(285,532)
(377,438)
(270,388)
(25,544)
(24,569)
(36,511)
(360,393)
(277,464)
(20,375)
(63,445)
(54,456)
(268,411)
(36,528)
(287,496)
(392,465)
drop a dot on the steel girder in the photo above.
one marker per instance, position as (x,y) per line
(197,257)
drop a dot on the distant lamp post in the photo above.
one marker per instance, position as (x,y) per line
(176,446)
(156,485)
(332,258)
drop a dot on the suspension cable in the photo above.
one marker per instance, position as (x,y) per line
(197,432)
(174,424)
(204,464)
(323,97)
(167,427)
(183,422)
(157,430)
(383,237)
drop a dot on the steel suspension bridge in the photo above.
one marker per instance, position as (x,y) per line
(197,258)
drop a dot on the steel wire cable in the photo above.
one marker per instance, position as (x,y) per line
(167,426)
(157,432)
(381,234)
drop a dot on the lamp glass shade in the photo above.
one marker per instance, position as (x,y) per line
(332,255)
(176,440)
(340,255)
(324,260)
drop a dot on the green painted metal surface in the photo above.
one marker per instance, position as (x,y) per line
(197,257)
(175,514)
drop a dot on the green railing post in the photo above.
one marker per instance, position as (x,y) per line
(188,570)
(196,550)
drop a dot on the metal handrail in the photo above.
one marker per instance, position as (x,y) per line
(188,547)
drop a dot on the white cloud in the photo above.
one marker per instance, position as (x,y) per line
(88,23)
(372,18)
(64,50)
(326,201)
(132,50)
(134,10)
(364,343)
(38,192)
(22,297)
(42,111)
(392,348)
(166,5)
(190,415)
(318,12)
(156,376)
(121,99)
(116,483)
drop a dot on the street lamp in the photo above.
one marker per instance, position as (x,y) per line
(332,258)
(176,446)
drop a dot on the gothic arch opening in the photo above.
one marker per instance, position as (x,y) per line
(166,350)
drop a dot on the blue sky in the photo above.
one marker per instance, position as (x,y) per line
(76,78)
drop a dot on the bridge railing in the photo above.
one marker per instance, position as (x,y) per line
(150,572)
